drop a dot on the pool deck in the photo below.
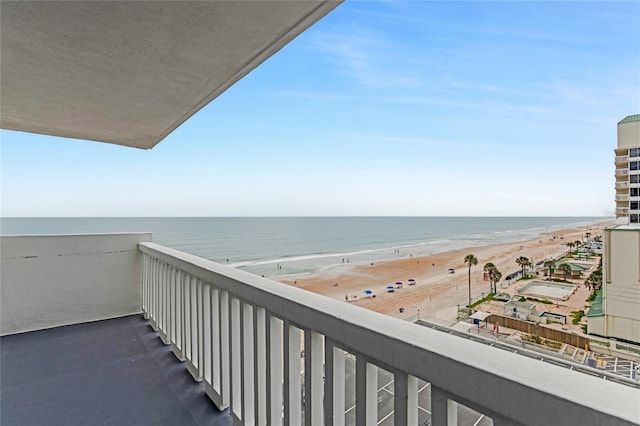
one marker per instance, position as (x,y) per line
(575,302)
(547,289)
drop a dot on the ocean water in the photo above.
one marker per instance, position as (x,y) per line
(288,246)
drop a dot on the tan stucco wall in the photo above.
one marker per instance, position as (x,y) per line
(622,283)
(629,135)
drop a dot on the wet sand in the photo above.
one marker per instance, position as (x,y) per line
(436,292)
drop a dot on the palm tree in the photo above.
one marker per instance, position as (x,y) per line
(566,270)
(550,265)
(487,268)
(595,280)
(523,262)
(470,260)
(578,243)
(570,245)
(587,235)
(494,277)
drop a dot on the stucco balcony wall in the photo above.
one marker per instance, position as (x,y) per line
(54,280)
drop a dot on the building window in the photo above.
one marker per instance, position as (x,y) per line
(634,165)
(634,152)
(634,218)
(634,178)
(635,205)
(634,192)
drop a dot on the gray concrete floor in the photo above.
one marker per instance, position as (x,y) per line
(112,372)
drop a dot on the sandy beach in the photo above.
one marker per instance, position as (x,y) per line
(437,292)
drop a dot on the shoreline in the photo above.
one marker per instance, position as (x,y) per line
(417,250)
(437,292)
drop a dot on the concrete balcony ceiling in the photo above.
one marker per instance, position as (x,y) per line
(129,73)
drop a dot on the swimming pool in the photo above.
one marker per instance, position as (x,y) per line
(547,289)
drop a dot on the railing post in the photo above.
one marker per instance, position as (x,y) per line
(292,379)
(400,398)
(174,306)
(260,365)
(248,357)
(225,349)
(313,372)
(366,392)
(200,324)
(339,384)
(186,315)
(193,294)
(207,334)
(178,294)
(215,340)
(162,312)
(328,382)
(153,295)
(235,357)
(275,372)
(145,284)
(412,400)
(444,411)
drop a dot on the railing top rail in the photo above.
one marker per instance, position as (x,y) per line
(76,235)
(505,383)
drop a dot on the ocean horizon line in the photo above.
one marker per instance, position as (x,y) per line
(302,216)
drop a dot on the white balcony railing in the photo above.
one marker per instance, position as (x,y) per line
(622,159)
(622,210)
(242,335)
(622,172)
(621,185)
(622,197)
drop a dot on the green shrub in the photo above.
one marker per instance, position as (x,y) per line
(545,301)
(485,299)
(577,316)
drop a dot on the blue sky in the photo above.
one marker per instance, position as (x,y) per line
(382,108)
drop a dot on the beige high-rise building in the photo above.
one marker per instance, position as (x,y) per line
(627,161)
(616,310)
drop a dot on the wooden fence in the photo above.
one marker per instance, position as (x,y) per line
(539,330)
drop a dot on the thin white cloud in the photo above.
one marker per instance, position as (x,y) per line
(366,57)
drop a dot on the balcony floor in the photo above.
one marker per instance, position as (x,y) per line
(114,372)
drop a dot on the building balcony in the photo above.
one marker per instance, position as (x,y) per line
(622,172)
(622,211)
(622,185)
(259,352)
(622,197)
(620,159)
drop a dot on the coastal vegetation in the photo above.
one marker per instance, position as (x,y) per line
(494,276)
(487,298)
(577,316)
(470,260)
(550,266)
(544,301)
(541,341)
(524,263)
(594,282)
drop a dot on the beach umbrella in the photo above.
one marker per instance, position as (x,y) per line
(390,288)
(368,292)
(411,281)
